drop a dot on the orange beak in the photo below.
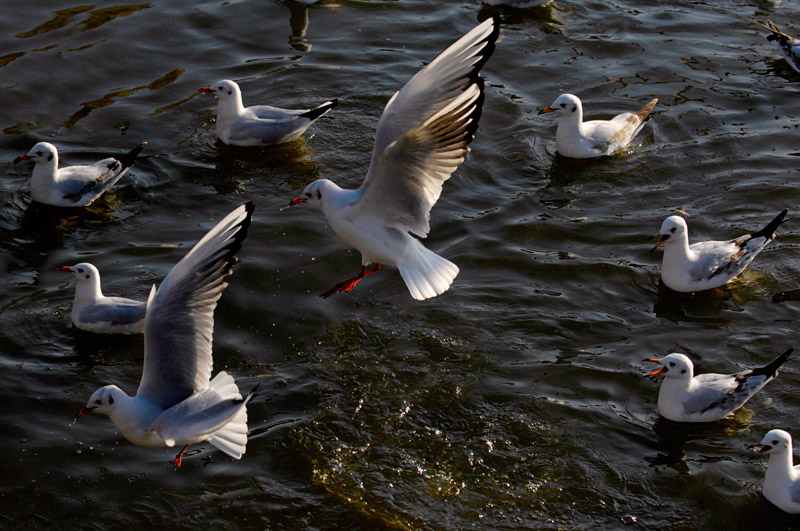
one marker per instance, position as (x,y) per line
(546,110)
(297,201)
(761,449)
(21,157)
(205,90)
(65,268)
(660,242)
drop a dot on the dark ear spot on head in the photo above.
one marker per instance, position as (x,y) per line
(50,157)
(230,92)
(88,276)
(319,194)
(574,108)
(110,399)
(683,371)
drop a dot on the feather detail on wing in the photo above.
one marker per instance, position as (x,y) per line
(408,177)
(180,316)
(632,124)
(437,84)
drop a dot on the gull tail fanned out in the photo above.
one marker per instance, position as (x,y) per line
(425,273)
(315,113)
(232,438)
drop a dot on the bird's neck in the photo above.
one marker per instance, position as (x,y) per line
(679,251)
(228,110)
(570,124)
(335,197)
(45,173)
(673,387)
(781,468)
(88,290)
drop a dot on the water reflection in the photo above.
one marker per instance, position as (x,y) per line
(298,21)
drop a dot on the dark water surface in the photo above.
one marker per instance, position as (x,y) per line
(516,399)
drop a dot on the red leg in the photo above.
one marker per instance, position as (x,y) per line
(349,284)
(180,454)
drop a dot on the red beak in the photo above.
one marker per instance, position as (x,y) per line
(21,157)
(297,201)
(82,412)
(658,371)
(205,90)
(65,268)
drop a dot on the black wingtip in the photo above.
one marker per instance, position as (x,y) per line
(771,369)
(313,114)
(128,159)
(773,225)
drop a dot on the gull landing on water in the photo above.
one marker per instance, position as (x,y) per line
(73,186)
(94,312)
(706,265)
(707,397)
(259,125)
(582,140)
(789,47)
(177,402)
(422,138)
(782,481)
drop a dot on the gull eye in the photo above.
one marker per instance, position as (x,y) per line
(673,229)
(80,270)
(672,364)
(563,105)
(308,194)
(221,88)
(39,153)
(98,402)
(775,443)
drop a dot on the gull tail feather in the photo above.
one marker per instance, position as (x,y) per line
(427,274)
(769,231)
(315,113)
(771,369)
(232,438)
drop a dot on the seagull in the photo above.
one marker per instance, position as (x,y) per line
(706,265)
(583,140)
(421,139)
(94,312)
(177,401)
(707,397)
(260,125)
(789,47)
(782,482)
(73,186)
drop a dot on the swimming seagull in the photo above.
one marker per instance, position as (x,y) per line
(706,265)
(177,402)
(73,186)
(94,312)
(582,140)
(421,139)
(782,481)
(259,125)
(707,397)
(789,47)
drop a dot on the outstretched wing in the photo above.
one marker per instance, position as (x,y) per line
(424,132)
(180,316)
